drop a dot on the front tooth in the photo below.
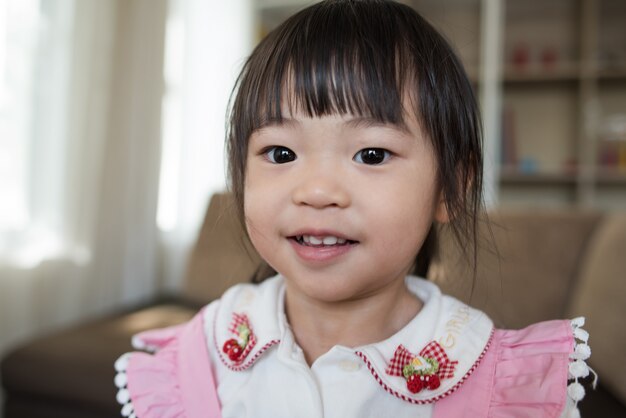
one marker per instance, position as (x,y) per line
(306,239)
(315,241)
(330,240)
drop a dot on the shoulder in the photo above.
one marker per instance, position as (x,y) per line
(173,378)
(534,371)
(173,375)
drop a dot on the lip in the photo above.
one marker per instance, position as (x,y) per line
(321,254)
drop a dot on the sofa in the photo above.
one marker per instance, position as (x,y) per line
(533,265)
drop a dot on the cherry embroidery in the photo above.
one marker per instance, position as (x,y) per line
(229,344)
(424,371)
(414,383)
(239,347)
(434,382)
(234,352)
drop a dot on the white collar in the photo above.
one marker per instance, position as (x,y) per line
(463,332)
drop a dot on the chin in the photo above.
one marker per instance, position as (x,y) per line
(329,289)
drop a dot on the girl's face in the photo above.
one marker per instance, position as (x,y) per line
(340,205)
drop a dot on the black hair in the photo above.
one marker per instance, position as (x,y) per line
(374,58)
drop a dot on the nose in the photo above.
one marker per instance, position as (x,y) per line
(321,190)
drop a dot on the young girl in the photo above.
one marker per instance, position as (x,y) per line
(353,132)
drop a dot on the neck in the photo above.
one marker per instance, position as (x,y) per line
(318,325)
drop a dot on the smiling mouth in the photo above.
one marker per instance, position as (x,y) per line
(321,241)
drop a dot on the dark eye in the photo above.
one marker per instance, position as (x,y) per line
(372,156)
(280,155)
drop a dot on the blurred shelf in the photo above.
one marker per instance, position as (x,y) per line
(515,177)
(612,75)
(610,70)
(611,177)
(561,73)
(512,176)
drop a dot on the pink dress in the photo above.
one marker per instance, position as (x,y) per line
(518,374)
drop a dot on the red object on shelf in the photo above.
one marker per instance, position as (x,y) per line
(549,57)
(521,57)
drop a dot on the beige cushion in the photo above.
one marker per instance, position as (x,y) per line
(526,272)
(222,257)
(600,296)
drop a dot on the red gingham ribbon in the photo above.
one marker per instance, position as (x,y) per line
(239,319)
(402,357)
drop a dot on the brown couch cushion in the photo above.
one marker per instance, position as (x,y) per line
(71,366)
(222,256)
(526,273)
(600,295)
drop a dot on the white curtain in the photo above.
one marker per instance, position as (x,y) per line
(86,239)
(207,44)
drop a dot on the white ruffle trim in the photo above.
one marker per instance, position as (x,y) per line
(121,381)
(139,344)
(578,368)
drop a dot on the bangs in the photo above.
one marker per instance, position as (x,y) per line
(330,61)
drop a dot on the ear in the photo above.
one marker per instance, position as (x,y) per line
(441,210)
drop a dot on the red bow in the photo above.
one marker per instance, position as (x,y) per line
(402,357)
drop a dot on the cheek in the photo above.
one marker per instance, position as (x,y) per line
(252,195)
(259,218)
(254,214)
(409,216)
(406,231)
(259,234)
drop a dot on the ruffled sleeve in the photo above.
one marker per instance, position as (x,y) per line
(526,374)
(175,382)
